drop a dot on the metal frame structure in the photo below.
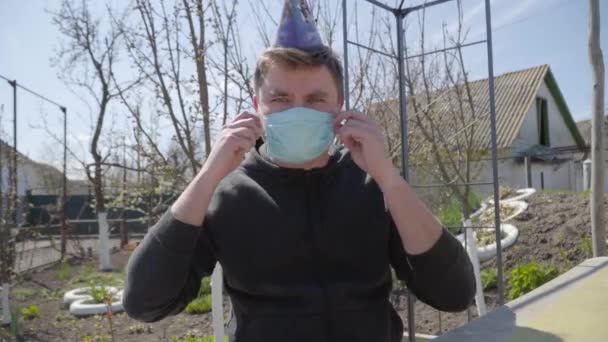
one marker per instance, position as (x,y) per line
(14,178)
(400,13)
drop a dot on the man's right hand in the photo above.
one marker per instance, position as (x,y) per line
(236,139)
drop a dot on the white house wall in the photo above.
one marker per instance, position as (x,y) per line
(559,134)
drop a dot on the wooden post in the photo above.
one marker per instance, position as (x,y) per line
(528,166)
(596,60)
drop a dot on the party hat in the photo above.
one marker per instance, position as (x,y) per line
(297,28)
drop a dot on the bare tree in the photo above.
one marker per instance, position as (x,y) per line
(158,49)
(87,59)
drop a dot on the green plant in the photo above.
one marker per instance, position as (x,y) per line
(205,287)
(489,279)
(587,247)
(63,273)
(98,292)
(199,305)
(30,312)
(22,293)
(526,278)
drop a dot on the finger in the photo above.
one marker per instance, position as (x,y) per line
(246,116)
(241,145)
(245,133)
(249,122)
(356,130)
(356,116)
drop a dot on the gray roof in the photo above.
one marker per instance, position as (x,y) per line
(515,93)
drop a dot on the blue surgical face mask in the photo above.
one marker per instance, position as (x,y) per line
(298,135)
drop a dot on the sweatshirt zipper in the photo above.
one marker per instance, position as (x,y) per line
(314,217)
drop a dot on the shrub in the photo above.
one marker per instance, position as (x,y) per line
(30,312)
(526,278)
(199,305)
(489,279)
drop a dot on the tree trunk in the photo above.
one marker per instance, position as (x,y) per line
(597,175)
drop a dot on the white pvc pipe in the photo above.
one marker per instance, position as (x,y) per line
(217,303)
(6,308)
(79,308)
(480,302)
(84,293)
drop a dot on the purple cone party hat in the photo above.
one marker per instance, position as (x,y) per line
(297,28)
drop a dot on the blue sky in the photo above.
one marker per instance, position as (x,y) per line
(526,33)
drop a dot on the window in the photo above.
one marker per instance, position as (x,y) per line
(542,121)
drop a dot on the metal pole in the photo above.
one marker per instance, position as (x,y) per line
(528,167)
(402,99)
(411,300)
(494,154)
(345,36)
(13,169)
(64,184)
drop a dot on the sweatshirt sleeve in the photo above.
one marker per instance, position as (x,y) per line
(164,272)
(442,277)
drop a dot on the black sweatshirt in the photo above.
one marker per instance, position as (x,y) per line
(306,257)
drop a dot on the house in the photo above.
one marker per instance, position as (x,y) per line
(539,144)
(33,177)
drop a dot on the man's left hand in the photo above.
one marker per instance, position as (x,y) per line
(364,138)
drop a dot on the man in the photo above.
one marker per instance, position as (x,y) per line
(306,232)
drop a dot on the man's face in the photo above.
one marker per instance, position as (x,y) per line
(284,88)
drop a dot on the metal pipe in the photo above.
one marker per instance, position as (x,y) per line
(64,184)
(379,4)
(494,154)
(409,10)
(447,49)
(345,38)
(411,300)
(373,50)
(13,170)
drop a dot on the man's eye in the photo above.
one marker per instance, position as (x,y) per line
(318,100)
(279,99)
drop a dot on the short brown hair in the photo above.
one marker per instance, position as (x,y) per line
(294,58)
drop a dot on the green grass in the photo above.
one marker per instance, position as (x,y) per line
(205,286)
(22,293)
(587,247)
(199,305)
(89,274)
(489,279)
(584,193)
